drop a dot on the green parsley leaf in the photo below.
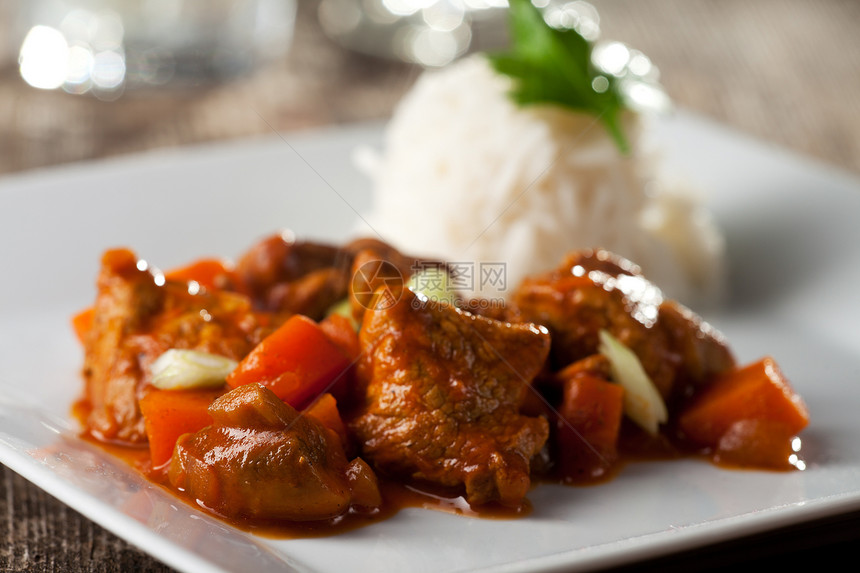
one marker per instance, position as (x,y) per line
(552,66)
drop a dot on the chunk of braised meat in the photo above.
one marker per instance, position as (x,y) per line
(261,459)
(136,320)
(595,289)
(704,351)
(590,291)
(311,295)
(404,263)
(287,276)
(442,396)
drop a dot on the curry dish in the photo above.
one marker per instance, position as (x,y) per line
(283,389)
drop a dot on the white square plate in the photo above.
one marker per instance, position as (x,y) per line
(794,248)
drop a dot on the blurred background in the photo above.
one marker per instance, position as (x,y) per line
(122,76)
(82,80)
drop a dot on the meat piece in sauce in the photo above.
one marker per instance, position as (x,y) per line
(385,252)
(283,275)
(443,390)
(595,289)
(261,459)
(135,320)
(301,277)
(703,350)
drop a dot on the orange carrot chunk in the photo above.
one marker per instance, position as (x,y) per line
(167,414)
(82,322)
(339,328)
(588,427)
(757,443)
(297,362)
(208,273)
(324,409)
(758,391)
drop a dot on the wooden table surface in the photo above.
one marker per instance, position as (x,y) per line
(785,71)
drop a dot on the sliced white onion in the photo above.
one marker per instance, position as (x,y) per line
(190,369)
(434,283)
(642,401)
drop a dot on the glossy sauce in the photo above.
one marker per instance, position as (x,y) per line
(397,495)
(634,446)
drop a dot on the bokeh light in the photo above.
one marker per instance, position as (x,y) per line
(44,58)
(102,47)
(84,54)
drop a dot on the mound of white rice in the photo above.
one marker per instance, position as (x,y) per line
(467,176)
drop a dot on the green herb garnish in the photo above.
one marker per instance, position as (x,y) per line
(550,65)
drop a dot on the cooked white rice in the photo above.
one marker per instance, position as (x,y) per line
(467,176)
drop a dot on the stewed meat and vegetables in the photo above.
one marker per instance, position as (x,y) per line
(296,383)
